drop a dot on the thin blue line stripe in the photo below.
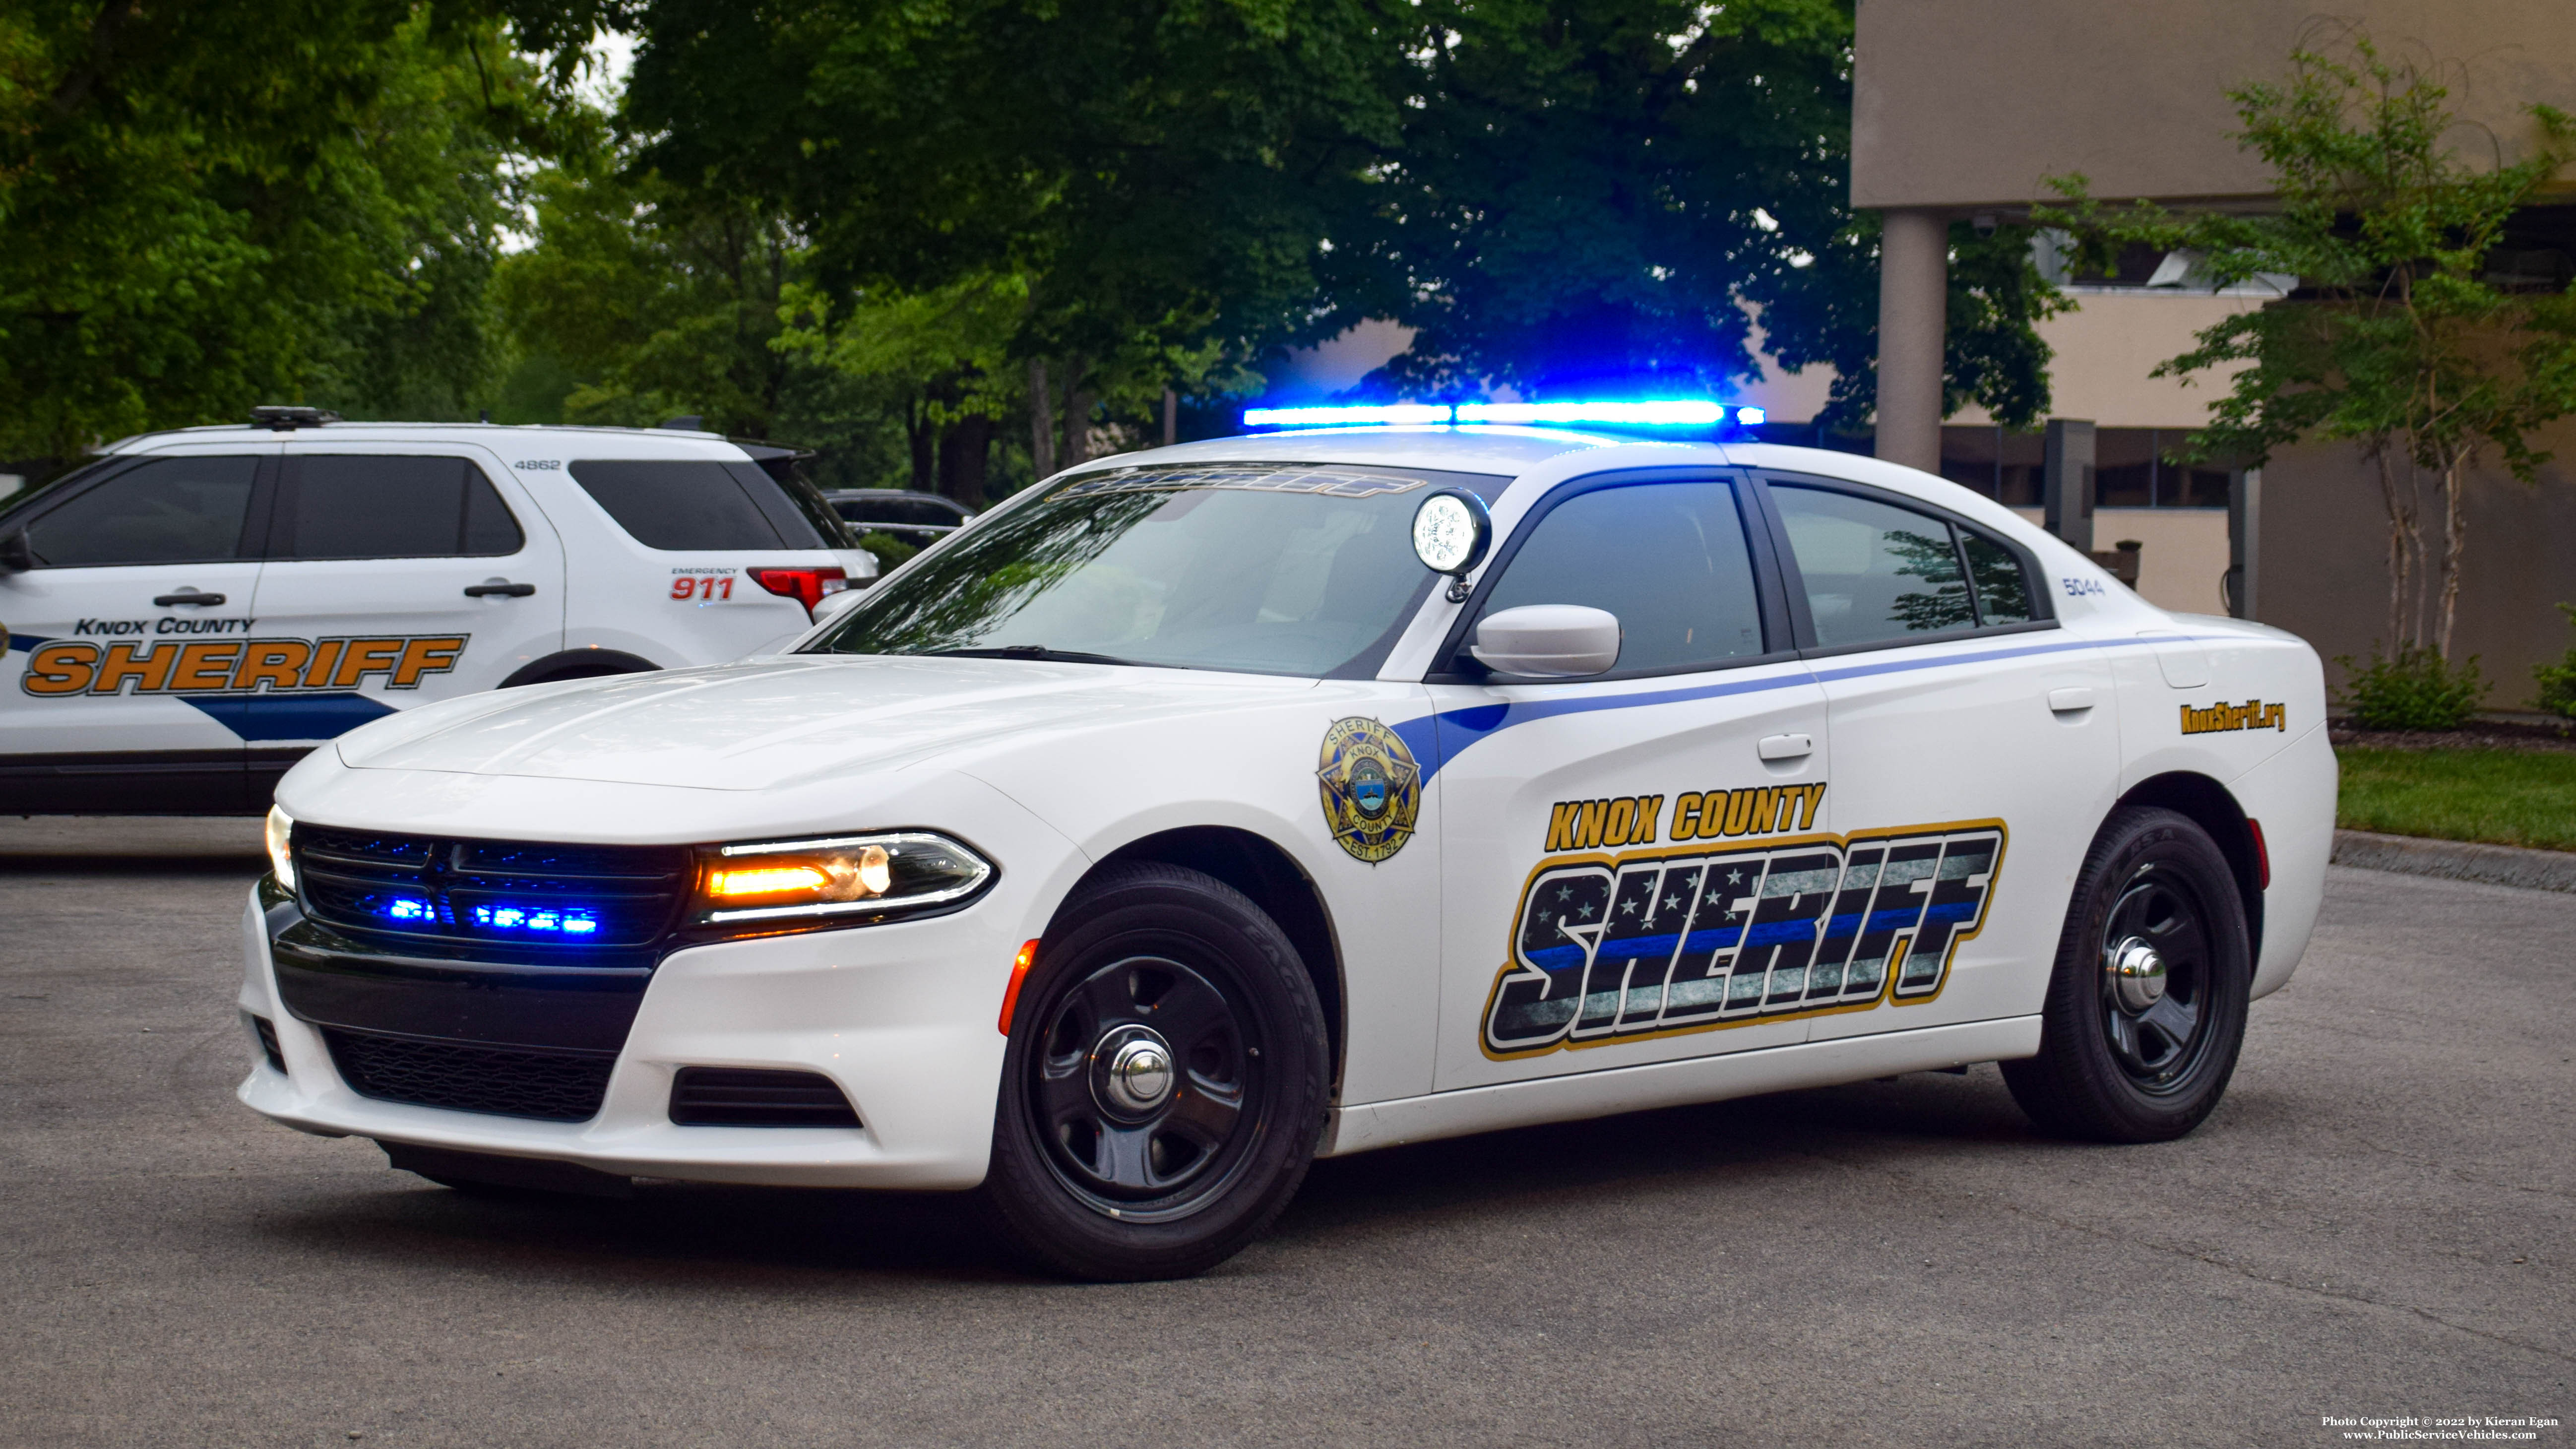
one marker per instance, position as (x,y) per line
(1430,737)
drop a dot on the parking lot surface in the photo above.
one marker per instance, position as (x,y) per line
(2376,1222)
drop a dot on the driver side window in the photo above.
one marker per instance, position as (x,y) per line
(1669,559)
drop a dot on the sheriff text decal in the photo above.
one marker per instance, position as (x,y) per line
(1693,938)
(77,666)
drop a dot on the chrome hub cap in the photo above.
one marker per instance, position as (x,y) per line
(2137,974)
(1132,1071)
(2155,979)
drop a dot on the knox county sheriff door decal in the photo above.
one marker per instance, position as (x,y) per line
(61,667)
(1626,945)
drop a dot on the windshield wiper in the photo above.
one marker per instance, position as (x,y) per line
(1043,653)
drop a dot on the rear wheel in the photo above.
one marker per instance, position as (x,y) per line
(1164,1084)
(2146,1011)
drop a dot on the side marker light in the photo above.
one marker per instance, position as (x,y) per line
(2262,856)
(1020,965)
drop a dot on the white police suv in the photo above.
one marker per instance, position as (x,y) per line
(192,612)
(1175,823)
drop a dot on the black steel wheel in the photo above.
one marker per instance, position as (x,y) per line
(1164,1084)
(1139,1086)
(2146,1009)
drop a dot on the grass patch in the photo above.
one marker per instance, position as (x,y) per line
(2504,797)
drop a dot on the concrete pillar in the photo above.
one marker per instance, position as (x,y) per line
(1913,311)
(2244,542)
(2066,482)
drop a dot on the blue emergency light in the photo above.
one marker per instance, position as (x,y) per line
(1671,413)
(544,920)
(562,922)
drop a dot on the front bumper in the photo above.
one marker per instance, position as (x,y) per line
(900,1016)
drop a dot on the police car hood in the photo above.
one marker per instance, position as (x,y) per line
(776,723)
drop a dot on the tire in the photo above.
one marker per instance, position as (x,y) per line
(2142,1055)
(1104,1169)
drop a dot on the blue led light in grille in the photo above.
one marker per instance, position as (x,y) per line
(409,909)
(542,920)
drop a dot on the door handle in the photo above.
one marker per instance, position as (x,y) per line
(185,596)
(2069,701)
(502,587)
(1785,747)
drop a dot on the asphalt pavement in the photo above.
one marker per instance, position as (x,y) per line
(2376,1223)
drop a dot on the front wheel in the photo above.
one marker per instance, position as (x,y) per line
(1164,1085)
(2146,1011)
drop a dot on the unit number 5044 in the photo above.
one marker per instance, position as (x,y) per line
(702,587)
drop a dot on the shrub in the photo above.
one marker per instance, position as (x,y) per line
(2412,689)
(889,550)
(2558,681)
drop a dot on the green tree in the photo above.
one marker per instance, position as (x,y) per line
(653,300)
(1602,192)
(217,204)
(1159,177)
(943,354)
(2401,338)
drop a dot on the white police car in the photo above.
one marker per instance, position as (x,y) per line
(192,612)
(1175,824)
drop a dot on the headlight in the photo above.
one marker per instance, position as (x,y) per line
(281,860)
(791,881)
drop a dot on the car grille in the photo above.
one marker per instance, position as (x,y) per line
(523,894)
(742,1097)
(555,1086)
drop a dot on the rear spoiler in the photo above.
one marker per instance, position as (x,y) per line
(779,463)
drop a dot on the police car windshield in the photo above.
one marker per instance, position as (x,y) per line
(1270,569)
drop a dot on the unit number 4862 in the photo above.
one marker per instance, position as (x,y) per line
(702,587)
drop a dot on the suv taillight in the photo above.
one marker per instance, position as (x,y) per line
(805,586)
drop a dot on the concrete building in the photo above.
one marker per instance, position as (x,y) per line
(1962,108)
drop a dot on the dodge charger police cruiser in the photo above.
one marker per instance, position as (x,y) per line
(191,613)
(1202,811)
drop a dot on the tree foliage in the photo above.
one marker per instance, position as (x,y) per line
(889,229)
(1603,193)
(2400,337)
(1156,177)
(212,205)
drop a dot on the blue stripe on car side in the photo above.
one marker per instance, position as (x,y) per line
(1436,739)
(291,716)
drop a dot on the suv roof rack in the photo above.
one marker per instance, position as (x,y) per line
(278,419)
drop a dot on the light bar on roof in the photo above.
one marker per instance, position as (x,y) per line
(1674,413)
(1399,413)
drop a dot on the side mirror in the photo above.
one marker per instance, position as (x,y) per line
(15,556)
(1451,532)
(1548,641)
(831,605)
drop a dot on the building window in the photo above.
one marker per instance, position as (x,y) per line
(2132,468)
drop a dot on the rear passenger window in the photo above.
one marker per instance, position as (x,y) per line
(371,506)
(2003,590)
(1878,573)
(1668,558)
(681,503)
(795,507)
(170,510)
